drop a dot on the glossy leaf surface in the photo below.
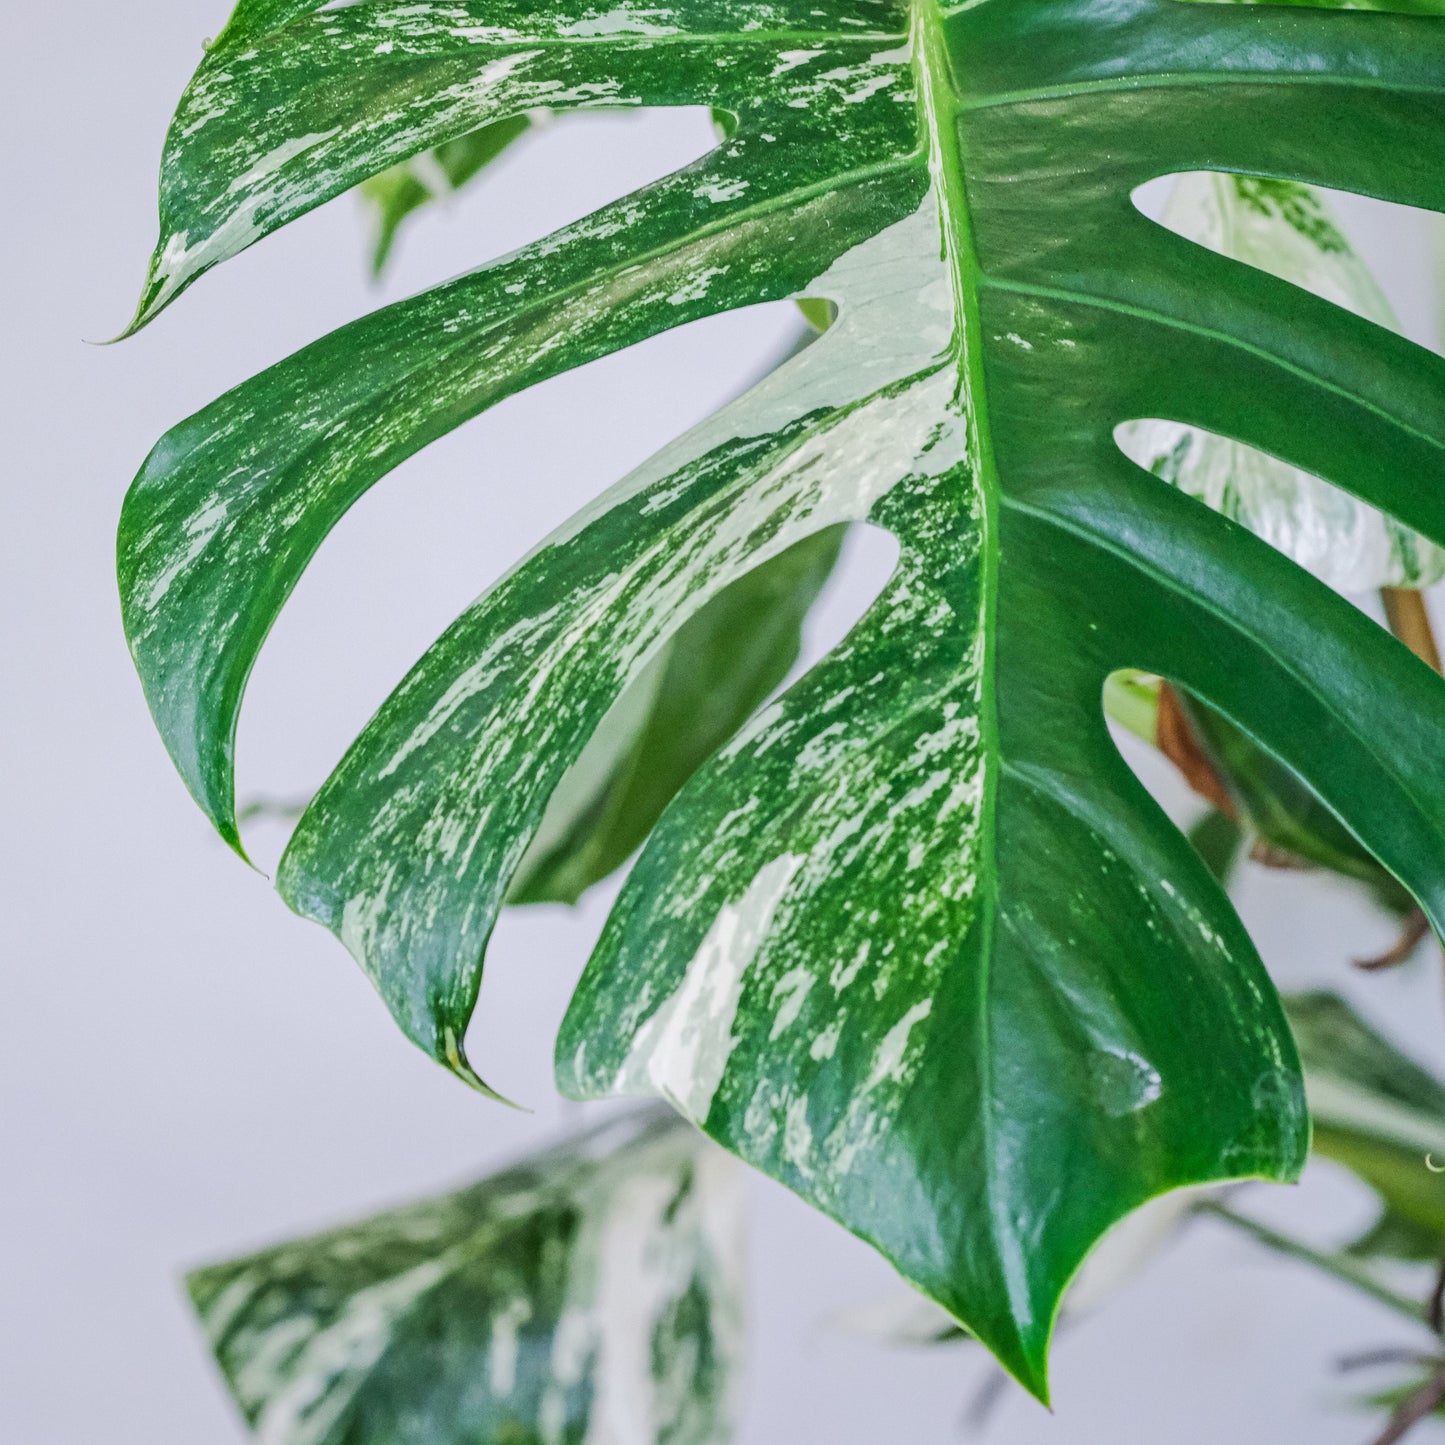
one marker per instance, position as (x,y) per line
(592,1293)
(915,941)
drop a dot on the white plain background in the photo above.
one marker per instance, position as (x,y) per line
(187,1070)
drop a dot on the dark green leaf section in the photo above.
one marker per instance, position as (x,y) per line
(1220,844)
(1382,1116)
(711,677)
(914,940)
(1289,231)
(590,1293)
(396,193)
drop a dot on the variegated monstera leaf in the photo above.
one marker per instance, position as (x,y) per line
(914,941)
(589,1294)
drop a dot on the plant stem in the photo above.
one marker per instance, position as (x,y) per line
(1387,1355)
(1342,1269)
(1435,1306)
(1425,1401)
(1413,931)
(1409,620)
(1176,738)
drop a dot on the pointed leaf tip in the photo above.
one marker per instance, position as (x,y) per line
(454,1059)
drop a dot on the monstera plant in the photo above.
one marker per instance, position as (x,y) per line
(907,935)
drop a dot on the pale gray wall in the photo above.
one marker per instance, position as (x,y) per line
(187,1069)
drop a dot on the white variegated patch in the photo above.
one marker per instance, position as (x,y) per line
(682,1050)
(452,69)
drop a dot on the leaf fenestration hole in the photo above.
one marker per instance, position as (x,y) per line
(412,553)
(1346,543)
(566,167)
(726,663)
(1369,257)
(1375,258)
(588,829)
(869,557)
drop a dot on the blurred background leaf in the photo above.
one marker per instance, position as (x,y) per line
(590,1292)
(395,194)
(713,674)
(1380,1114)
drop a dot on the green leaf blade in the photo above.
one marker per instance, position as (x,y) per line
(1290,231)
(218,493)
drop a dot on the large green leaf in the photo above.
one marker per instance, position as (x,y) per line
(692,700)
(915,941)
(591,1293)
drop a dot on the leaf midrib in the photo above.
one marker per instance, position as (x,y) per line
(940,109)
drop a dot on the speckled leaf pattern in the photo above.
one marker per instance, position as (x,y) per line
(1290,231)
(914,941)
(588,1296)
